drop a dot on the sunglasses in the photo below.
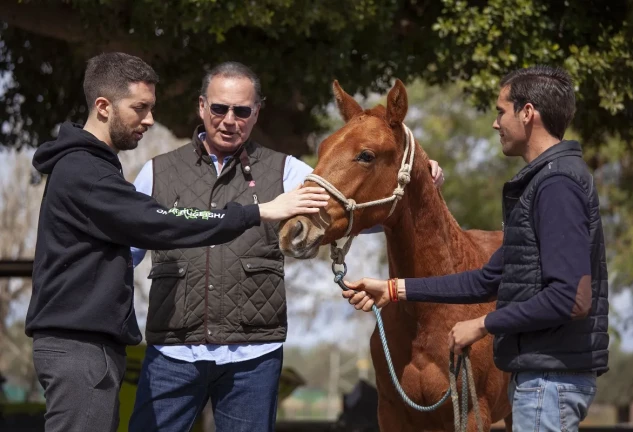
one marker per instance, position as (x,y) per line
(242,112)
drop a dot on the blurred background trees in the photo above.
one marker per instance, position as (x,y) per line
(298,47)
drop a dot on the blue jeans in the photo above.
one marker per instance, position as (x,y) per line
(550,401)
(171,393)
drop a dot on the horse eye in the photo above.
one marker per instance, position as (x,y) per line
(365,156)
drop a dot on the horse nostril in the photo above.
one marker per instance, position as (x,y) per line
(297,229)
(298,233)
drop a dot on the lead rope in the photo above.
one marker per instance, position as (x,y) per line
(468,382)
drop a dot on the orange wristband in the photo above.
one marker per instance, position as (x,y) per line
(393,289)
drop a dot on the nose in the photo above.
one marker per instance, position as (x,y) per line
(298,234)
(495,124)
(229,117)
(148,120)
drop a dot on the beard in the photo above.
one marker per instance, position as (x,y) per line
(121,135)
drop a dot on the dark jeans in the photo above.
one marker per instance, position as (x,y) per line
(171,393)
(81,382)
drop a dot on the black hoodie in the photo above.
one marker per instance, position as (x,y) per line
(89,218)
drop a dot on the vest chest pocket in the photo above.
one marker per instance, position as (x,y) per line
(167,296)
(262,294)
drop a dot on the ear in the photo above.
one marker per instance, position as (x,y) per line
(102,107)
(347,106)
(397,104)
(528,113)
(201,107)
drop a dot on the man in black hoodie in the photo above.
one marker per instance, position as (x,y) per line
(81,315)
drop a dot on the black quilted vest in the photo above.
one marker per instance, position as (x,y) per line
(578,345)
(229,293)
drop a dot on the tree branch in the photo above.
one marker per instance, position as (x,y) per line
(64,23)
(58,21)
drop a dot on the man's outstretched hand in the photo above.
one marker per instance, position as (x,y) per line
(298,201)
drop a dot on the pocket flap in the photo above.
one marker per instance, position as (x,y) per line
(257,264)
(169,269)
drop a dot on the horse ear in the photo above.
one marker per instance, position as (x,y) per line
(347,106)
(397,104)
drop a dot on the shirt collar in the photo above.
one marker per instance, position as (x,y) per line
(214,158)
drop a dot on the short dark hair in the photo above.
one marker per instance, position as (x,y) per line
(232,69)
(110,74)
(549,89)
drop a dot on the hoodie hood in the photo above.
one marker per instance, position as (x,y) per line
(72,137)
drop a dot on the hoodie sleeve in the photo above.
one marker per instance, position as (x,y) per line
(120,214)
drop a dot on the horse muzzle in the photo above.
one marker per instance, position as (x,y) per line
(300,238)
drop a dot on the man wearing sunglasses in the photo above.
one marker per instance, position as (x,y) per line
(217,315)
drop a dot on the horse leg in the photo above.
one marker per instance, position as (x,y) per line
(389,416)
(484,412)
(508,421)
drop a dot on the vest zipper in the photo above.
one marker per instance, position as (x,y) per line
(206,299)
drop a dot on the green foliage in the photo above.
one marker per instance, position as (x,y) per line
(298,47)
(614,178)
(591,39)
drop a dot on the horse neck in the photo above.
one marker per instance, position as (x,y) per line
(423,239)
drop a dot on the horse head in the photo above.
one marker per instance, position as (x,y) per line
(365,166)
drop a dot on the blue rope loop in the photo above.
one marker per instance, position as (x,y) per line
(339,275)
(338,278)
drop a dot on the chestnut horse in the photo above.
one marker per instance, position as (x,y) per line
(362,160)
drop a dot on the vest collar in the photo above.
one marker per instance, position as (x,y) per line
(563,148)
